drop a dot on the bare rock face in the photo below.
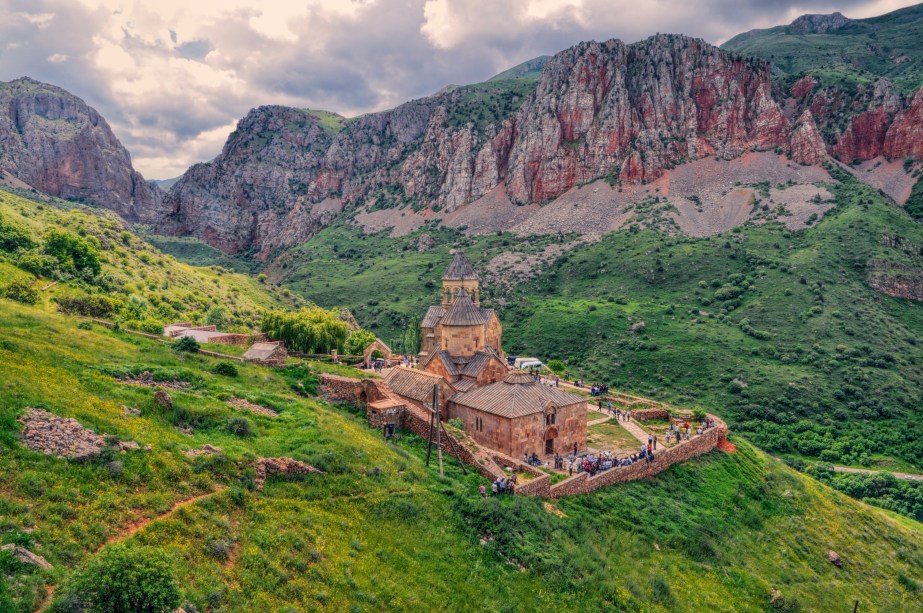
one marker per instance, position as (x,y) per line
(634,110)
(55,142)
(905,135)
(834,558)
(281,466)
(896,280)
(807,143)
(64,438)
(864,138)
(818,24)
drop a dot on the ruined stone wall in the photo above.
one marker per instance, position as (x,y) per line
(650,414)
(239,340)
(698,445)
(346,389)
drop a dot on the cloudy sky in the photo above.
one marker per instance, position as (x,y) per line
(172,77)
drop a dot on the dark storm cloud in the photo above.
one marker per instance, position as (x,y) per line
(173,79)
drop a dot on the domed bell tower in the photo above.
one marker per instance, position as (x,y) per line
(460,275)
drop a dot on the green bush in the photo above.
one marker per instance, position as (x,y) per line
(38,264)
(240,426)
(73,253)
(123,578)
(21,292)
(225,369)
(13,237)
(186,343)
(89,306)
(556,366)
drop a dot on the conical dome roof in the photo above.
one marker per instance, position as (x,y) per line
(463,312)
(460,269)
(518,377)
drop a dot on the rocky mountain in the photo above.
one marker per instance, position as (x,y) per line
(53,141)
(626,112)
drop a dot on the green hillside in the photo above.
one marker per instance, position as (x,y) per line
(118,275)
(380,531)
(773,329)
(857,54)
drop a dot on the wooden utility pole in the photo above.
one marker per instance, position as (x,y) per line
(432,417)
(438,427)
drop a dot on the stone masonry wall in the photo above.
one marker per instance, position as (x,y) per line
(698,445)
(645,414)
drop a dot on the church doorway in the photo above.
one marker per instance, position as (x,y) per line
(550,436)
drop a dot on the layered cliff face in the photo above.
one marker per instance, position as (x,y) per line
(53,141)
(630,111)
(627,113)
(598,109)
(258,186)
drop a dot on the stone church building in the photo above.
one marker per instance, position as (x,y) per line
(502,409)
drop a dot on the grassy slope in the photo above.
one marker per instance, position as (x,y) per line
(856,54)
(131,266)
(380,531)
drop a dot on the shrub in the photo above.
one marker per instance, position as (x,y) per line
(73,253)
(698,414)
(13,237)
(38,264)
(21,292)
(89,306)
(556,366)
(310,330)
(186,343)
(124,578)
(240,426)
(225,369)
(457,423)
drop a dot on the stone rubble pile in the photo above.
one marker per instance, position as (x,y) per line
(246,405)
(280,466)
(64,437)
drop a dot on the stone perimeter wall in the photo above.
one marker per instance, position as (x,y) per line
(696,446)
(414,419)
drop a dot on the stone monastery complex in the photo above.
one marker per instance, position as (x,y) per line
(504,410)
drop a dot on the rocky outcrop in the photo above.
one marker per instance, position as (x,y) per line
(26,557)
(905,135)
(864,137)
(53,141)
(896,280)
(64,438)
(266,467)
(259,188)
(807,143)
(818,24)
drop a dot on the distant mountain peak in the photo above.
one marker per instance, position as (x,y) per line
(818,24)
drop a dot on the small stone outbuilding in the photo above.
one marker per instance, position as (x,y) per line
(268,354)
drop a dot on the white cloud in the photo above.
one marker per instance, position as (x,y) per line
(39,20)
(57,58)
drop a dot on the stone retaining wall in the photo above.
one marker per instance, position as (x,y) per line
(696,446)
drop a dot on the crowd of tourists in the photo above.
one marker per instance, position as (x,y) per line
(500,486)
